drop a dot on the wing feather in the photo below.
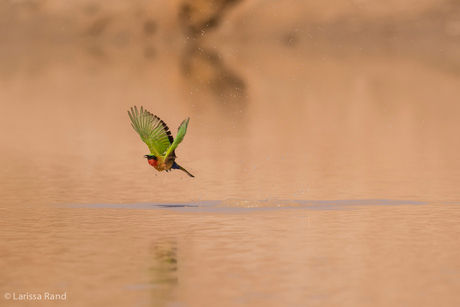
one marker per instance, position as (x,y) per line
(179,137)
(153,131)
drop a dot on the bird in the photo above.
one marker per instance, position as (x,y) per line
(155,133)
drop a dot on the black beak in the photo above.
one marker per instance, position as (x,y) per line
(150,157)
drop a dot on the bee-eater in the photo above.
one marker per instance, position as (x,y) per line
(155,133)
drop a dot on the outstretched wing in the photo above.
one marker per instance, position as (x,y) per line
(153,131)
(179,137)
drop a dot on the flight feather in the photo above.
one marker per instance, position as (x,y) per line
(153,131)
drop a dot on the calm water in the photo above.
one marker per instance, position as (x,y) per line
(325,175)
(353,254)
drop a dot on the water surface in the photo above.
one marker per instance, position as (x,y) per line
(351,254)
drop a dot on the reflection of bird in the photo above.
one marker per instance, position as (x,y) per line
(155,133)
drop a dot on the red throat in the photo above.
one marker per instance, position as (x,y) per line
(153,162)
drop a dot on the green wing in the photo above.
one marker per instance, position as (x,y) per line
(179,137)
(153,131)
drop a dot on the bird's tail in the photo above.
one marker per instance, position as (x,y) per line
(177,166)
(184,170)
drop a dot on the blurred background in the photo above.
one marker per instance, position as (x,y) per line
(290,100)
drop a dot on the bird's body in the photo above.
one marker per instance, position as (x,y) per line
(161,165)
(155,133)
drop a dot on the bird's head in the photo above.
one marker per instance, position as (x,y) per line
(153,161)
